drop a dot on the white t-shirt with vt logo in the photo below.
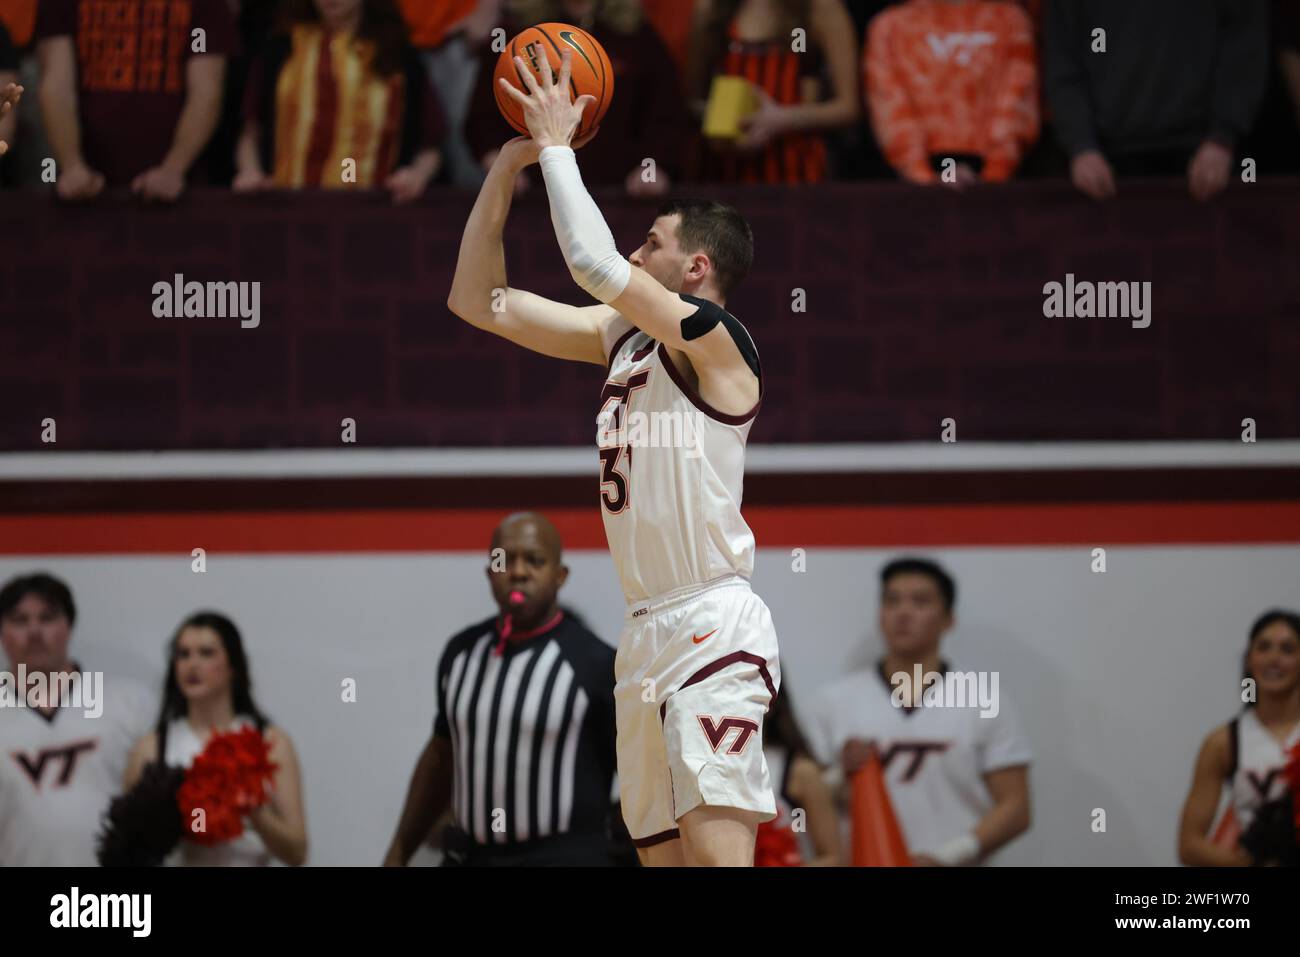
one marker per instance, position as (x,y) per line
(59,773)
(934,758)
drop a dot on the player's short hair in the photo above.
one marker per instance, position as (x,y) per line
(922,566)
(1263,621)
(718,230)
(53,591)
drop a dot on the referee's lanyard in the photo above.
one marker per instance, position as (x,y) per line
(506,631)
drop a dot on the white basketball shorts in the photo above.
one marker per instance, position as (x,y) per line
(696,672)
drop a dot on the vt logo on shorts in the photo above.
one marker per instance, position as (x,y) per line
(716,732)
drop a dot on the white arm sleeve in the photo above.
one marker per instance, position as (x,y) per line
(585,239)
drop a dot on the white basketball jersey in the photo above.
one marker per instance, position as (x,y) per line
(247,850)
(934,758)
(1256,776)
(59,773)
(671,475)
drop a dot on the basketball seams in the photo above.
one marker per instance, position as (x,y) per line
(594,61)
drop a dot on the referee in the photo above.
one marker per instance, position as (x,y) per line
(523,744)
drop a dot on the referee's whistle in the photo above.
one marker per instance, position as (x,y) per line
(516,598)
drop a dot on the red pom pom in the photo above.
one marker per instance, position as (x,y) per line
(231,777)
(776,846)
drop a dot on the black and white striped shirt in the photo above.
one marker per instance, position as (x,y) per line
(532,731)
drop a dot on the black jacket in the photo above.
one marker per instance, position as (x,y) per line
(1175,72)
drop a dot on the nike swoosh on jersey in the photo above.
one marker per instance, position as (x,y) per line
(698,638)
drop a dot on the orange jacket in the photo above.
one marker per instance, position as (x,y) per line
(429,20)
(946,77)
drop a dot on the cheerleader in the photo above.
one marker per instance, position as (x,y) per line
(208,689)
(1257,755)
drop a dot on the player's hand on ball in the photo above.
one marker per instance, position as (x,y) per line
(550,115)
(78,182)
(524,151)
(519,152)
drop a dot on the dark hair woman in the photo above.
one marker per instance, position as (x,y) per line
(208,688)
(1250,754)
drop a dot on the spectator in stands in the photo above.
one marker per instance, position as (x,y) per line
(126,98)
(339,100)
(646,119)
(208,689)
(953,89)
(1177,86)
(783,140)
(10,91)
(447,34)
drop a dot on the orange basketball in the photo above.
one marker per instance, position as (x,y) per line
(591,71)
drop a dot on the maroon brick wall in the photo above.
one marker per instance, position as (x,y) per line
(920,305)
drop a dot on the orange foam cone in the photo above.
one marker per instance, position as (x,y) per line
(877,838)
(1229,829)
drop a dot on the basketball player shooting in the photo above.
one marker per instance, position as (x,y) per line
(697,659)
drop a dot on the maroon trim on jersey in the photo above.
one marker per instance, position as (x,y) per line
(687,390)
(659,838)
(713,667)
(619,345)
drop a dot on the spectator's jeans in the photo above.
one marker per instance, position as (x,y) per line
(453,70)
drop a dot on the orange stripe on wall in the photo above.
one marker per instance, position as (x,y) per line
(435,530)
